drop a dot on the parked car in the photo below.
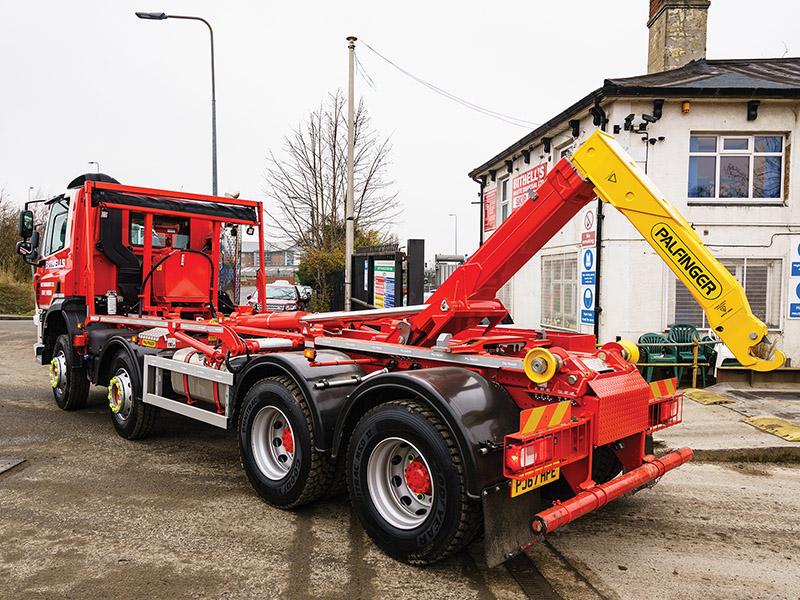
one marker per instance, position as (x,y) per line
(279,297)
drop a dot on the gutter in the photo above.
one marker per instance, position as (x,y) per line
(608,90)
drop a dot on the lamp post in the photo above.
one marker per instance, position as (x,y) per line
(455,232)
(152,16)
(96,164)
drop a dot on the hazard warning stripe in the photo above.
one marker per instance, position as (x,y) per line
(665,387)
(543,417)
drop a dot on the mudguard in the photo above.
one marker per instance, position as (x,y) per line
(105,343)
(478,412)
(324,404)
(66,312)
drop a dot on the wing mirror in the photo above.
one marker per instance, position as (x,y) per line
(26,224)
(29,250)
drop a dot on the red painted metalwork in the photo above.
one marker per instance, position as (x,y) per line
(418,479)
(551,447)
(620,405)
(593,498)
(665,412)
(469,295)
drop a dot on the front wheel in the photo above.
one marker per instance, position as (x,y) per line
(70,382)
(132,418)
(407,484)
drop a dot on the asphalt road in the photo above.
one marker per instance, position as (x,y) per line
(90,515)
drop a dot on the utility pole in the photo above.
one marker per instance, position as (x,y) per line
(348,204)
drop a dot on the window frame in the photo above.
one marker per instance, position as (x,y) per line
(778,297)
(504,199)
(750,152)
(551,320)
(47,246)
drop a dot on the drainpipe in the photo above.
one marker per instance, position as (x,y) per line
(482,182)
(600,119)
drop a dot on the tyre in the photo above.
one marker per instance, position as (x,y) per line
(605,465)
(276,445)
(406,481)
(70,384)
(132,418)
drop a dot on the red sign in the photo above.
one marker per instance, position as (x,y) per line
(529,180)
(489,209)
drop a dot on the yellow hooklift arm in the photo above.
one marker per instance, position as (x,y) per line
(619,182)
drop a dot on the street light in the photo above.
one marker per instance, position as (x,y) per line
(96,164)
(455,232)
(154,16)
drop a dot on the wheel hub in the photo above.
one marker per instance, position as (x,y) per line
(418,479)
(120,394)
(58,367)
(400,485)
(272,443)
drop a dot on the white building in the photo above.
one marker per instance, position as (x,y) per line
(716,137)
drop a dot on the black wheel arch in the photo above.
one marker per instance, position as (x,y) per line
(324,404)
(475,409)
(101,373)
(62,317)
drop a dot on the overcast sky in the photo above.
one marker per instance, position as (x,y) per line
(87,81)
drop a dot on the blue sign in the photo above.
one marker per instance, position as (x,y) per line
(587,317)
(794,311)
(588,278)
(588,260)
(588,298)
(796,269)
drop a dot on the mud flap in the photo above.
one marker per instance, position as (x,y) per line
(507,522)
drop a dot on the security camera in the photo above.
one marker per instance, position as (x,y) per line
(649,118)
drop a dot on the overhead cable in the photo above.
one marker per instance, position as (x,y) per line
(485,111)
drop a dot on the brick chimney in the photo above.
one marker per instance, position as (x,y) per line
(677,33)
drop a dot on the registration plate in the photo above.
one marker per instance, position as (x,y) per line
(520,487)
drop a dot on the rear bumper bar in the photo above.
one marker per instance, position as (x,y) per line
(551,519)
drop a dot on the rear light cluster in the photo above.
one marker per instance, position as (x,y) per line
(665,412)
(526,455)
(521,457)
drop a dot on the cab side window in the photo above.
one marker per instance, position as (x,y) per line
(56,235)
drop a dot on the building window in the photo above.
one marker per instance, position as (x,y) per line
(505,200)
(560,291)
(761,280)
(736,167)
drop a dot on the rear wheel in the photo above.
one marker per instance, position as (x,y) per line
(132,418)
(276,445)
(70,384)
(407,484)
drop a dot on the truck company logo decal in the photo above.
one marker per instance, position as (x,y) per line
(683,258)
(55,263)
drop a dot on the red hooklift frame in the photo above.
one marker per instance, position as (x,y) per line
(551,519)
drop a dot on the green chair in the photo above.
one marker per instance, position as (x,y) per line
(683,333)
(652,351)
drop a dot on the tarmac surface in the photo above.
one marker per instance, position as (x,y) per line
(90,515)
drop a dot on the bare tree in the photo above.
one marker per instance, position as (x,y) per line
(307,185)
